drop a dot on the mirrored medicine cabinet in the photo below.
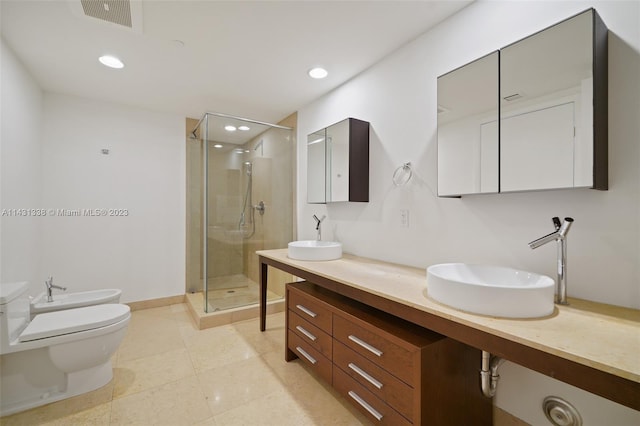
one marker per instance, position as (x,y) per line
(531,116)
(338,163)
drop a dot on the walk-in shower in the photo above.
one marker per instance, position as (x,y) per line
(240,199)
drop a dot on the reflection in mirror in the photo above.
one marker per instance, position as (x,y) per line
(546,108)
(316,163)
(467,129)
(338,165)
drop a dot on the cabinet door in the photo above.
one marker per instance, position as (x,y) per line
(378,411)
(368,343)
(375,379)
(320,364)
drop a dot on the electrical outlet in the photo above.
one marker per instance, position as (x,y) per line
(404,218)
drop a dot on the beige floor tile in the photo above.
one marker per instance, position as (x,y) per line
(273,409)
(183,318)
(91,408)
(322,403)
(289,373)
(150,340)
(216,347)
(173,404)
(270,340)
(151,319)
(235,384)
(193,337)
(208,422)
(178,307)
(144,373)
(99,415)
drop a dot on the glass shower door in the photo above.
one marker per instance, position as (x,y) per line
(247,205)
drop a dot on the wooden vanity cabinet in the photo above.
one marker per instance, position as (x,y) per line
(395,372)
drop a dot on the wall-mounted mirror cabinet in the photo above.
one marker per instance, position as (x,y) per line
(467,128)
(338,163)
(549,126)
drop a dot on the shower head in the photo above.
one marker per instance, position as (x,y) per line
(249,167)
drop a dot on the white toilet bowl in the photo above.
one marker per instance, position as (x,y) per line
(57,355)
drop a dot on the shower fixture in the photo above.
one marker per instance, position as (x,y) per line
(247,203)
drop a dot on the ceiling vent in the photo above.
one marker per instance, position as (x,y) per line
(513,97)
(126,14)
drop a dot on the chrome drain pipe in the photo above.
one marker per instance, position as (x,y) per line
(489,374)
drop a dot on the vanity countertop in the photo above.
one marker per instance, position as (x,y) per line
(604,337)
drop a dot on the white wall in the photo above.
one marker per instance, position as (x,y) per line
(398,97)
(143,253)
(21,117)
(51,159)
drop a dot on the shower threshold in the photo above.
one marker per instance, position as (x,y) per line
(195,303)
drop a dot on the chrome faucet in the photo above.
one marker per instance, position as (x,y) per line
(318,225)
(559,235)
(50,286)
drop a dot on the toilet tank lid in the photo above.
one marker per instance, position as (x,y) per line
(9,291)
(73,321)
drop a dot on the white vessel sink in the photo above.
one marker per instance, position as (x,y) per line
(491,290)
(314,250)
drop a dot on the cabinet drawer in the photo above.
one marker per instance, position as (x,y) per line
(314,359)
(310,309)
(374,347)
(311,334)
(374,408)
(388,388)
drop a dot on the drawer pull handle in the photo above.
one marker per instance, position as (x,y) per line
(304,353)
(365,405)
(306,333)
(365,345)
(307,311)
(365,375)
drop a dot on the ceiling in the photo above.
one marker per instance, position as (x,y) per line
(245,58)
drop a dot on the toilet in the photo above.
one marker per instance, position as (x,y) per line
(56,355)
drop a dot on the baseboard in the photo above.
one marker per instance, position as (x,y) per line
(156,303)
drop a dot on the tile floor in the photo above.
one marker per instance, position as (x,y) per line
(167,372)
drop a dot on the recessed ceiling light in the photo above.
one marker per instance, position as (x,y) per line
(243,128)
(111,61)
(318,73)
(230,128)
(217,145)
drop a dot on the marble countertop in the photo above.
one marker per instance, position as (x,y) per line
(601,336)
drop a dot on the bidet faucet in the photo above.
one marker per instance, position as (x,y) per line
(318,225)
(560,235)
(50,286)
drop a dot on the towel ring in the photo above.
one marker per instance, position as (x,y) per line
(402,175)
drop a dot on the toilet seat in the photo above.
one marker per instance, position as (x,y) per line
(73,321)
